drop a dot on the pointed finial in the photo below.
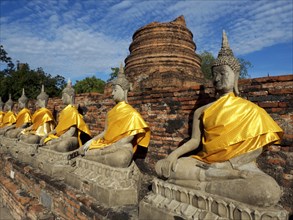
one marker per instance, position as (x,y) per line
(121,69)
(225,43)
(23,98)
(43,95)
(69,83)
(121,79)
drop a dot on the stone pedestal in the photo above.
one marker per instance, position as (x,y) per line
(169,201)
(109,185)
(9,145)
(53,163)
(26,152)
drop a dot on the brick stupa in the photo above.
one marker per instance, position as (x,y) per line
(162,55)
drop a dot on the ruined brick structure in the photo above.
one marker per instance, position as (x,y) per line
(163,55)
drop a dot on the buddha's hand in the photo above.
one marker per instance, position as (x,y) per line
(43,139)
(163,167)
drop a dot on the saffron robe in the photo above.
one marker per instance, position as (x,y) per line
(235,126)
(1,117)
(40,119)
(123,121)
(8,119)
(24,116)
(69,117)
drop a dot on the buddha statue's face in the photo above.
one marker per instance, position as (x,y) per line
(224,78)
(118,94)
(67,99)
(21,105)
(8,107)
(40,103)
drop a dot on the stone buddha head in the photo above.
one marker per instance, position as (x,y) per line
(68,94)
(42,99)
(1,104)
(226,69)
(22,101)
(9,104)
(121,86)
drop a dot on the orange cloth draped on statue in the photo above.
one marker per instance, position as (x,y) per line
(234,126)
(39,120)
(69,117)
(1,117)
(8,119)
(24,116)
(123,121)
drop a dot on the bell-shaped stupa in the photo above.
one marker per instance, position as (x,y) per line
(163,55)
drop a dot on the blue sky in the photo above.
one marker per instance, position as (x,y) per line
(81,38)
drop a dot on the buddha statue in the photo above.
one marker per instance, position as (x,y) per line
(125,129)
(67,134)
(9,117)
(43,121)
(233,132)
(23,118)
(2,113)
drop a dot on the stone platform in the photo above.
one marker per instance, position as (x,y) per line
(168,201)
(53,163)
(28,193)
(112,186)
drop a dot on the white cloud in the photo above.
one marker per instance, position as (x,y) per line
(80,37)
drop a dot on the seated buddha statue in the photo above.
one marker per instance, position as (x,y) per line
(9,117)
(125,129)
(2,113)
(232,132)
(67,134)
(43,121)
(23,118)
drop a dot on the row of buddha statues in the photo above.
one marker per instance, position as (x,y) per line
(232,132)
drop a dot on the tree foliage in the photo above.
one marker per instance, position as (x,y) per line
(208,58)
(89,84)
(12,80)
(114,73)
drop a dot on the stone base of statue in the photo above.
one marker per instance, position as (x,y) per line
(109,185)
(169,201)
(54,163)
(26,152)
(9,145)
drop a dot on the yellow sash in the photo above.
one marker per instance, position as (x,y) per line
(24,116)
(8,119)
(234,126)
(39,119)
(124,121)
(1,117)
(69,117)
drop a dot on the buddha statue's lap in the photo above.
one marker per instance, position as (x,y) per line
(23,118)
(67,134)
(233,136)
(125,129)
(42,121)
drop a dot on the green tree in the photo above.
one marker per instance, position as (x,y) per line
(89,84)
(208,58)
(13,80)
(4,58)
(206,63)
(114,73)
